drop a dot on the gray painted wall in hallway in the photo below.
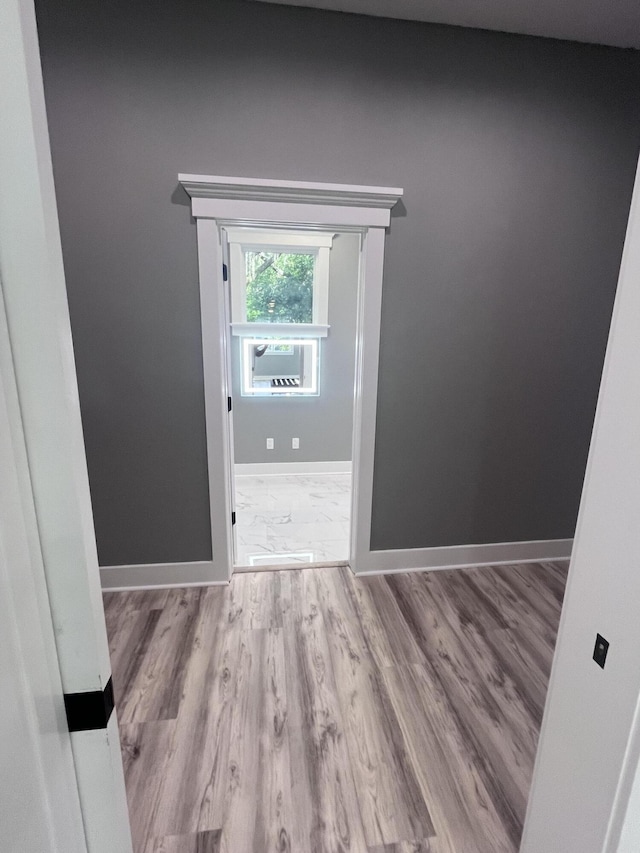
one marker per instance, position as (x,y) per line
(517,156)
(324,424)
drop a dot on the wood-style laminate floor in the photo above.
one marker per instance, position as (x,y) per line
(314,712)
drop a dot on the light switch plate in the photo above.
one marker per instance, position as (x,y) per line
(600,650)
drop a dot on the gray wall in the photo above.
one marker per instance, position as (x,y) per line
(517,156)
(324,424)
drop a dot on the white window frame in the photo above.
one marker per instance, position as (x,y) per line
(318,244)
(219,203)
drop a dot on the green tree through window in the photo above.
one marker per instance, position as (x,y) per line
(279,287)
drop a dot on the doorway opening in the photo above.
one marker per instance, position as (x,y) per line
(311,219)
(293,298)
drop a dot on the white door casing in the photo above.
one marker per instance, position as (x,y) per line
(222,201)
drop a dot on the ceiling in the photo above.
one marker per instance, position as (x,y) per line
(612,22)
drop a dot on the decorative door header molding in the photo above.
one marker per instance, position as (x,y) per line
(301,192)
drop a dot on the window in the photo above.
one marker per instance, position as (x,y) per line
(279,282)
(279,308)
(279,287)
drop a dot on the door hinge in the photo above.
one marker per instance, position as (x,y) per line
(229,405)
(233,518)
(225,272)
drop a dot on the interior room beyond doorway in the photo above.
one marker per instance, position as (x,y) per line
(293,297)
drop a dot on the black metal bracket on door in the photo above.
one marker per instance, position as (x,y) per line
(89,710)
(225,272)
(233,518)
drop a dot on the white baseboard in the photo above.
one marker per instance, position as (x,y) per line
(160,576)
(462,556)
(257,469)
(168,575)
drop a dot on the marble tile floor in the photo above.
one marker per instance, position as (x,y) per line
(286,519)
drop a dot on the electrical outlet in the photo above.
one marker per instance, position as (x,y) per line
(270,444)
(295,443)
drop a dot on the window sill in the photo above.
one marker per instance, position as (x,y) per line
(280,330)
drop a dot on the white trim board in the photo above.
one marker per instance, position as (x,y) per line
(273,238)
(170,575)
(264,189)
(257,469)
(158,576)
(463,556)
(281,330)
